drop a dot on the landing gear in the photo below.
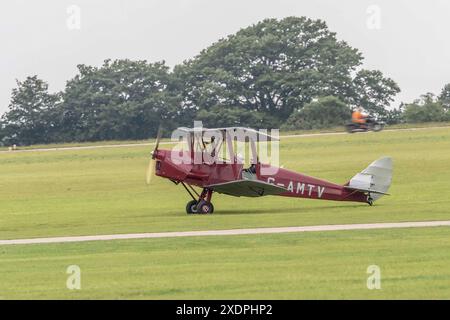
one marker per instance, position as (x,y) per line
(200,205)
(370,201)
(205,207)
(191,207)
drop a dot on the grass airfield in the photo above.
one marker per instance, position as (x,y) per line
(102,191)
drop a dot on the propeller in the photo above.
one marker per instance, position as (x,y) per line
(150,170)
(152,163)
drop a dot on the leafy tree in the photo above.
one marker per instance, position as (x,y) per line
(2,134)
(277,66)
(29,118)
(426,109)
(444,97)
(326,112)
(394,116)
(373,92)
(260,77)
(222,116)
(122,99)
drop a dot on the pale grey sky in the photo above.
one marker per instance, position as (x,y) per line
(411,44)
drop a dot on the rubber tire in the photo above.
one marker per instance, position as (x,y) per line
(377,127)
(191,207)
(205,207)
(350,128)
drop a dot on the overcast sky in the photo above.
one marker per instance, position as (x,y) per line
(405,39)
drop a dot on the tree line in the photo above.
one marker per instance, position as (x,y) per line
(291,73)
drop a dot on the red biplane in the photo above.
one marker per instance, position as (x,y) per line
(219,168)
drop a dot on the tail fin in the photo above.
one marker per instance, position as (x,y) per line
(375,179)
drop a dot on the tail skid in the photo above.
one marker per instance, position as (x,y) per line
(375,180)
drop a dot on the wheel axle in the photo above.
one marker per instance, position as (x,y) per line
(201,206)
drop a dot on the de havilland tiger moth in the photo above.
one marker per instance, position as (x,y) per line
(211,162)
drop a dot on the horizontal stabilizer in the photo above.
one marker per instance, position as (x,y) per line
(368,191)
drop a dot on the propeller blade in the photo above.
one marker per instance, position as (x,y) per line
(150,170)
(158,138)
(152,163)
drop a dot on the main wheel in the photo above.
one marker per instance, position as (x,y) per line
(191,207)
(205,207)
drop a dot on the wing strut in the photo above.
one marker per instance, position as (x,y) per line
(190,193)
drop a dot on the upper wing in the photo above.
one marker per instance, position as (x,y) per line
(247,188)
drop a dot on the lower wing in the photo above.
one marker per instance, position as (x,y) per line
(247,188)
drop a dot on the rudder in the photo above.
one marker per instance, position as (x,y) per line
(375,179)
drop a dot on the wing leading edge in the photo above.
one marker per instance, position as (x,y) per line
(247,188)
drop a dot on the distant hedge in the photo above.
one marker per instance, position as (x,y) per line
(326,112)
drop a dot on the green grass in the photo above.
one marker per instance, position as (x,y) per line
(387,127)
(332,265)
(283,133)
(102,191)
